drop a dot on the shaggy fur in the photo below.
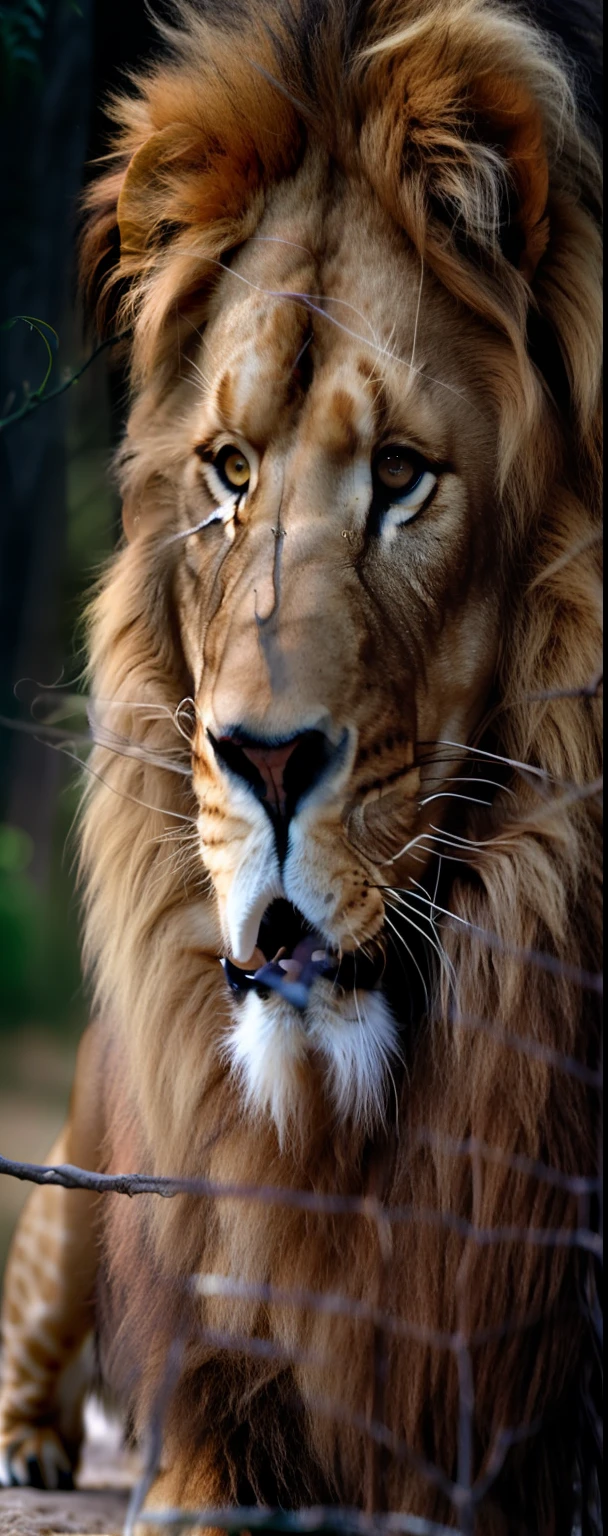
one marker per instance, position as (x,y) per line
(444,140)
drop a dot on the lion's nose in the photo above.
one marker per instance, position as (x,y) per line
(280,773)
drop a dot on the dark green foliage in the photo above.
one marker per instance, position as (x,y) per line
(39,963)
(20,921)
(22,24)
(21,34)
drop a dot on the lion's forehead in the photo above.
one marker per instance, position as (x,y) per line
(344,299)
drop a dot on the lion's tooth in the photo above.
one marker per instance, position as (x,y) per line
(291,968)
(252,964)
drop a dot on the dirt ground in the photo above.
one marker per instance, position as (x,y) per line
(97,1508)
(24,1512)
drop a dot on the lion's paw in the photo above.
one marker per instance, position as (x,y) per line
(33,1456)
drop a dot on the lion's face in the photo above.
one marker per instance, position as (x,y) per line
(339,607)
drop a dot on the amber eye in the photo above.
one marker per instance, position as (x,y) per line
(397,469)
(402,480)
(233,468)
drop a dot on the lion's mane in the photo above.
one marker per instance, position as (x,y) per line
(461,117)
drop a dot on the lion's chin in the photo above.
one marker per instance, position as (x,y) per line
(352,1039)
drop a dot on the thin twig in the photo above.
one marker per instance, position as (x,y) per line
(43,396)
(67,1176)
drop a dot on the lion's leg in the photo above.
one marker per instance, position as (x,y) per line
(192,1488)
(47,1309)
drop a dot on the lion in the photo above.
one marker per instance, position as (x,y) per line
(340,844)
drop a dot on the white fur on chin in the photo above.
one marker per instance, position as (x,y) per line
(355,1038)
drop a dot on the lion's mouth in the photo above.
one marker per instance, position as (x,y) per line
(291,956)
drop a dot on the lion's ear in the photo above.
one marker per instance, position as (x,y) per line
(139,207)
(511,124)
(460,135)
(126,219)
(194,152)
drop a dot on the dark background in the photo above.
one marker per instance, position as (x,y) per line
(59,518)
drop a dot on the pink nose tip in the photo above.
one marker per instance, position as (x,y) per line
(279,773)
(271,763)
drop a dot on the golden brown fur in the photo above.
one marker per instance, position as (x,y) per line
(427,208)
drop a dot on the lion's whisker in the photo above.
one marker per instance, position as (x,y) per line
(399,939)
(155,711)
(496,757)
(183,862)
(332,298)
(160,810)
(58,738)
(471,778)
(437,877)
(455,839)
(437,835)
(446,794)
(406,914)
(389,1071)
(183,703)
(177,834)
(418,895)
(417,319)
(208,383)
(357,1009)
(141,754)
(278,240)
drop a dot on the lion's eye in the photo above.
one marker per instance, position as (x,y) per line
(402,479)
(229,472)
(396,469)
(233,468)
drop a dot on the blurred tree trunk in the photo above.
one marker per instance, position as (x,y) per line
(53,129)
(43,144)
(123,37)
